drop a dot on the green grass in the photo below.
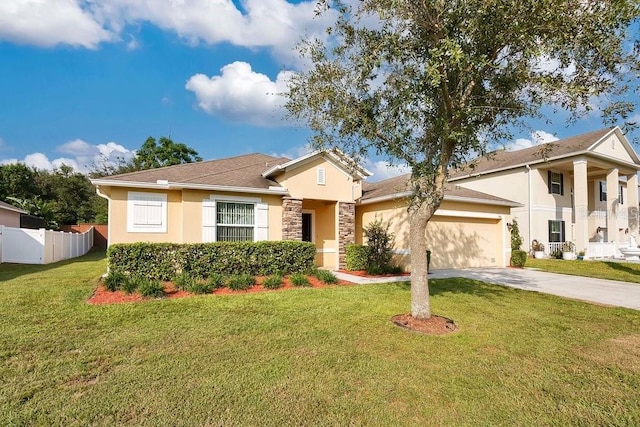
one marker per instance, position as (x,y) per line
(327,356)
(622,271)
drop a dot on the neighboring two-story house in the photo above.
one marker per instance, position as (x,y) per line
(582,189)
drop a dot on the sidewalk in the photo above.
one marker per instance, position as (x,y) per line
(600,291)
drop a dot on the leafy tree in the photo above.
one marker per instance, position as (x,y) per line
(17,180)
(164,153)
(428,82)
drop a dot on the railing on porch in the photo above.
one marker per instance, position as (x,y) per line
(594,249)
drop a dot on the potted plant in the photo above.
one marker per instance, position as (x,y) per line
(568,250)
(538,249)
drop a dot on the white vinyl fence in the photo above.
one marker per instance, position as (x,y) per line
(25,246)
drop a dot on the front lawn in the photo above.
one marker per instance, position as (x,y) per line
(326,356)
(612,270)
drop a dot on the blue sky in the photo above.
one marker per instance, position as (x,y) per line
(80,79)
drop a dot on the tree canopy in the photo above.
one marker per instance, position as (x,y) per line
(165,152)
(428,82)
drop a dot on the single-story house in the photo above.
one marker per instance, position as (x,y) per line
(320,197)
(10,215)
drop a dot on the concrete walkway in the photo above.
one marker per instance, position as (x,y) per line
(609,292)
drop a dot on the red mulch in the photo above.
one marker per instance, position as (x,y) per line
(102,296)
(363,273)
(435,325)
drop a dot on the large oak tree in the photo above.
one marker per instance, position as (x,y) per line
(427,82)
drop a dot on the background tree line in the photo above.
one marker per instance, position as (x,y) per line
(66,196)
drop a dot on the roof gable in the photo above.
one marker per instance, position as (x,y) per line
(336,157)
(398,187)
(580,144)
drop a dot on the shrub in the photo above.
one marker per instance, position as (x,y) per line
(200,287)
(380,243)
(357,257)
(375,270)
(518,258)
(216,281)
(150,288)
(299,279)
(325,276)
(273,282)
(160,261)
(114,280)
(240,282)
(183,281)
(516,239)
(131,284)
(568,247)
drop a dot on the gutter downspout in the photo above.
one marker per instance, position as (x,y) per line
(529,202)
(104,196)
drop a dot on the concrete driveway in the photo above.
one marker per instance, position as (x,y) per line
(599,291)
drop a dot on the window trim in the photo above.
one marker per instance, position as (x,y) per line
(141,198)
(551,183)
(561,233)
(260,217)
(603,191)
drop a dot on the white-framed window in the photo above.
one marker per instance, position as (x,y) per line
(556,231)
(603,191)
(234,219)
(555,182)
(321,175)
(146,212)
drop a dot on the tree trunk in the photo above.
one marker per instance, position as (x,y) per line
(418,219)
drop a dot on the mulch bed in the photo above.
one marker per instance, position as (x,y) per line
(435,325)
(103,296)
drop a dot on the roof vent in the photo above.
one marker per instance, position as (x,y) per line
(162,181)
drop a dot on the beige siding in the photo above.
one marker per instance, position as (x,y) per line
(9,218)
(302,182)
(613,147)
(460,234)
(184,215)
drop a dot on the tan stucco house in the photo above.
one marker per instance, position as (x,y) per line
(10,215)
(319,197)
(582,189)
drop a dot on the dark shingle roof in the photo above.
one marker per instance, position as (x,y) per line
(503,159)
(399,186)
(240,171)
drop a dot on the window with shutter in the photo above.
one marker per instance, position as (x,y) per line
(556,183)
(234,220)
(146,212)
(321,176)
(556,231)
(603,191)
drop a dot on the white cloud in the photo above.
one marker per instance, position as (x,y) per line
(48,23)
(275,24)
(82,156)
(382,170)
(241,95)
(295,152)
(536,138)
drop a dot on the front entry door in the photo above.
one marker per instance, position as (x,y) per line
(307,227)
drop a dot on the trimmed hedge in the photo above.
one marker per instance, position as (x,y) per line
(162,261)
(357,257)
(518,258)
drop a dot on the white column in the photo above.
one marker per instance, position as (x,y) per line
(632,203)
(612,204)
(581,200)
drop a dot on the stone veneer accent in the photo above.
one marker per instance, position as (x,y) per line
(346,230)
(291,219)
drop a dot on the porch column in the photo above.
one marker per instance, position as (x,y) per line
(612,204)
(346,230)
(581,202)
(291,219)
(632,202)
